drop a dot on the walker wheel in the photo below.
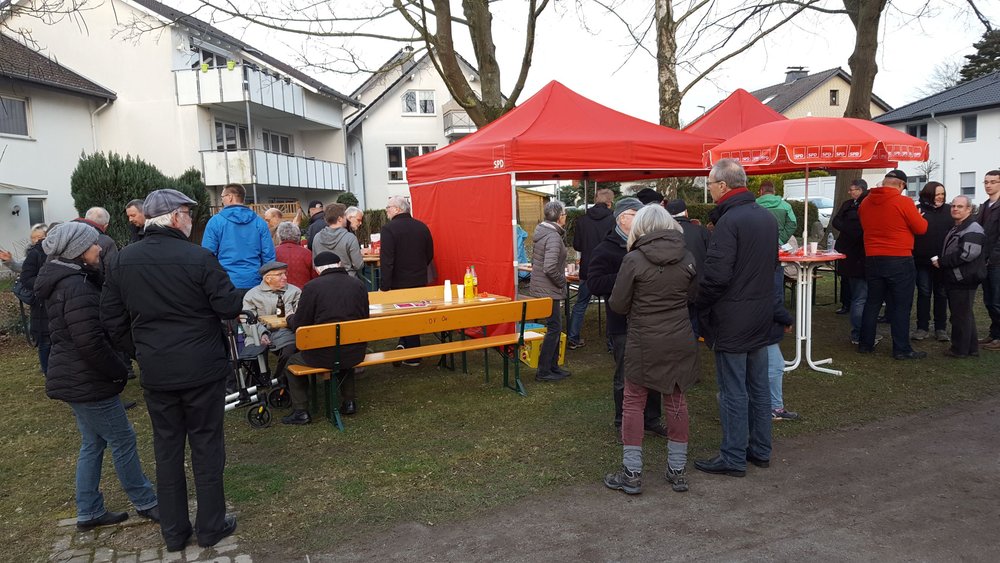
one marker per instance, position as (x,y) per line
(258,416)
(279,398)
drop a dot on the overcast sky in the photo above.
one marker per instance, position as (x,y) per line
(593,61)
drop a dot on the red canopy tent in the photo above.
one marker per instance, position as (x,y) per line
(465,191)
(734,115)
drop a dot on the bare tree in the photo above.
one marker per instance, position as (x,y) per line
(430,24)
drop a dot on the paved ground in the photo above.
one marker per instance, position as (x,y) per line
(918,488)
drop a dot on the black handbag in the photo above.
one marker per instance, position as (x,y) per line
(23,293)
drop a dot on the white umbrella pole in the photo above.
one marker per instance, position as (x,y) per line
(805,214)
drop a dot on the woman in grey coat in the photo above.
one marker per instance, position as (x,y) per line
(653,288)
(548,279)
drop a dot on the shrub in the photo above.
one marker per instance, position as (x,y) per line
(111,181)
(348,199)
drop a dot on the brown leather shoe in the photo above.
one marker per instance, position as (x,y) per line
(986,340)
(995,346)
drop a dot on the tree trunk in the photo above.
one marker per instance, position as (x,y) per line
(865,15)
(666,64)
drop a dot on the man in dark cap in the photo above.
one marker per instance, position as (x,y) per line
(890,220)
(649,195)
(332,297)
(263,300)
(317,221)
(591,228)
(164,302)
(603,270)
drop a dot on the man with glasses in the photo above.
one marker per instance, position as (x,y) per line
(164,302)
(989,219)
(736,304)
(239,238)
(406,255)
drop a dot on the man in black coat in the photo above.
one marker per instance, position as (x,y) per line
(316,221)
(136,220)
(332,297)
(735,301)
(851,243)
(589,231)
(407,253)
(164,301)
(696,239)
(602,273)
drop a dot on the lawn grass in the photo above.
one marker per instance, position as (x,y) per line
(436,446)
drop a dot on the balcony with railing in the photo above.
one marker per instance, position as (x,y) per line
(458,124)
(225,85)
(271,168)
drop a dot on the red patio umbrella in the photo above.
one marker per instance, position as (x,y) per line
(818,142)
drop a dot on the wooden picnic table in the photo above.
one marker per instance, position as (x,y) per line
(405,301)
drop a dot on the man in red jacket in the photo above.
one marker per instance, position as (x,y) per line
(890,220)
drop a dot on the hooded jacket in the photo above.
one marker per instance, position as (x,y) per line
(589,231)
(783,213)
(344,244)
(890,221)
(929,244)
(83,366)
(963,260)
(652,289)
(163,302)
(241,241)
(735,296)
(548,262)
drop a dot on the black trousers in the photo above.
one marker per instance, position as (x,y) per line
(194,416)
(298,387)
(964,340)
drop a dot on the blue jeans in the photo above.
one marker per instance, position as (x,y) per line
(579,309)
(102,424)
(859,296)
(775,374)
(991,296)
(744,406)
(930,283)
(890,278)
(548,355)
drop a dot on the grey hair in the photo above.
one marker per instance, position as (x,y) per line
(272,211)
(40,227)
(968,200)
(352,210)
(553,210)
(136,203)
(164,220)
(729,171)
(288,231)
(98,215)
(400,203)
(650,219)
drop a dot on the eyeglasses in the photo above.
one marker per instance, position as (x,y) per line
(277,275)
(710,182)
(183,212)
(628,213)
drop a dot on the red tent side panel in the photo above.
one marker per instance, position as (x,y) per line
(471,222)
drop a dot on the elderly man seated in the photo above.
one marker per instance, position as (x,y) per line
(332,297)
(263,300)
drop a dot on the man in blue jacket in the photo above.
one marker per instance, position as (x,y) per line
(239,238)
(736,304)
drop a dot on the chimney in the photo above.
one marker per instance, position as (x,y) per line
(794,73)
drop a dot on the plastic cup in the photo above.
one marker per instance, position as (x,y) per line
(813,247)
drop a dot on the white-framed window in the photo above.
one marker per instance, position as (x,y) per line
(277,142)
(210,58)
(397,155)
(914,184)
(13,116)
(969,123)
(418,102)
(918,130)
(231,137)
(36,210)
(834,97)
(967,181)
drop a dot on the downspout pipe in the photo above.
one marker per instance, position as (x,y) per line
(944,149)
(93,121)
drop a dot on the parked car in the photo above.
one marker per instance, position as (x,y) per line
(823,204)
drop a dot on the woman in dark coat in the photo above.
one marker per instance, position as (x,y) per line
(929,280)
(661,353)
(38,324)
(851,243)
(86,373)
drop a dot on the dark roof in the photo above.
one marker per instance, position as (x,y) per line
(193,23)
(980,93)
(25,64)
(784,95)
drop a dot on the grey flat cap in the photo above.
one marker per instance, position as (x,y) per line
(161,202)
